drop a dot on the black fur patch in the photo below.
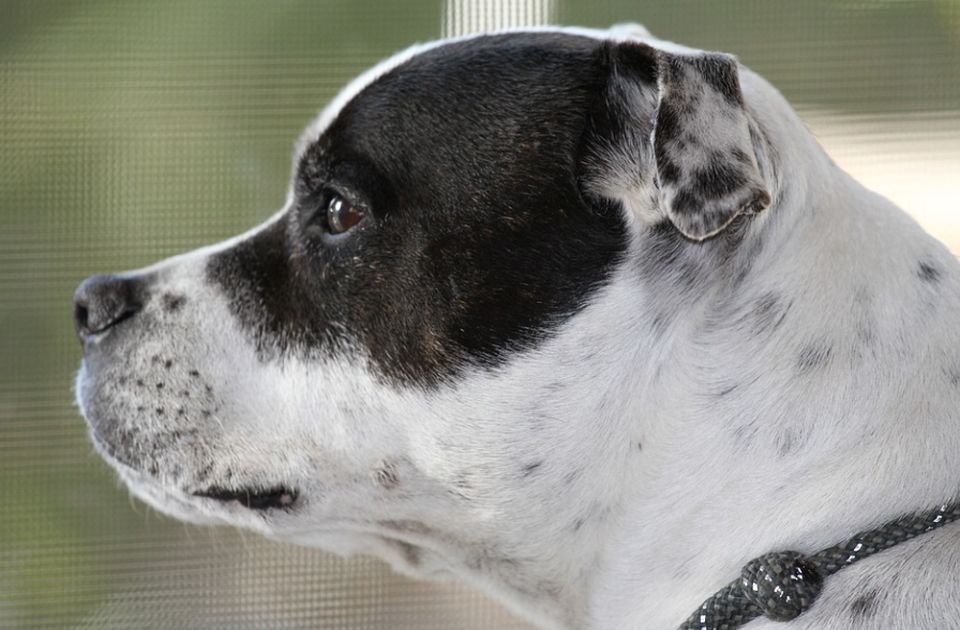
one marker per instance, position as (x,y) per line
(928,273)
(529,469)
(727,390)
(769,312)
(787,441)
(865,606)
(173,303)
(813,356)
(477,240)
(953,374)
(721,76)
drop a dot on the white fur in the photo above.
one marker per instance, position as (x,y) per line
(673,488)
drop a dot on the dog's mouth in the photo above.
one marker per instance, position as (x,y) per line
(276,498)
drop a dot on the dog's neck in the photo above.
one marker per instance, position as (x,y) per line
(776,419)
(768,416)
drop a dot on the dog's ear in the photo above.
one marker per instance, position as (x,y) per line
(668,136)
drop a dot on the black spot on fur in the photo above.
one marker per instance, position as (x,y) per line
(454,266)
(928,273)
(788,441)
(953,375)
(727,390)
(720,73)
(865,606)
(529,469)
(719,178)
(173,303)
(204,473)
(865,334)
(740,156)
(813,356)
(769,312)
(670,173)
(409,552)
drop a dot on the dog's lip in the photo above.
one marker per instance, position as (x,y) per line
(275,497)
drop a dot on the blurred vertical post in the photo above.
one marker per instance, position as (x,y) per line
(462,17)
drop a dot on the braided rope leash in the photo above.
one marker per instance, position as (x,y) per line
(784,584)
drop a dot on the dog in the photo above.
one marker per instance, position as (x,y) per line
(583,318)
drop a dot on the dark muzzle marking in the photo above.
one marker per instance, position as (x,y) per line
(253,499)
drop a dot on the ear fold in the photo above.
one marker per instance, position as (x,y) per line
(669,135)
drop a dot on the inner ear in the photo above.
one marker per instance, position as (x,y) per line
(668,137)
(706,165)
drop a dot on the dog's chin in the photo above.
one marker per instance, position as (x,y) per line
(214,505)
(345,538)
(263,511)
(172,503)
(182,495)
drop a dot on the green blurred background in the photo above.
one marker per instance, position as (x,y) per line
(133,130)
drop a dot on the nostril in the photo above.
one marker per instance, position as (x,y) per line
(81,316)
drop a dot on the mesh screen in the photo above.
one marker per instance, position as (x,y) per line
(134,130)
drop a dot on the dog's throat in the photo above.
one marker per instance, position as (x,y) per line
(782,585)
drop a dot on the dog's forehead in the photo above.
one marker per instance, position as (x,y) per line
(618,32)
(475,79)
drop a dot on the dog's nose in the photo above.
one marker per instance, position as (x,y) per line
(102,302)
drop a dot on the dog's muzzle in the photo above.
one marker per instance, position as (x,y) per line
(151,412)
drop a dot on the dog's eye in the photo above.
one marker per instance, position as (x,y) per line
(342,215)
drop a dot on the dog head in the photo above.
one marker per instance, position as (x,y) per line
(427,353)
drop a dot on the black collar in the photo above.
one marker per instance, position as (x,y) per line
(782,585)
